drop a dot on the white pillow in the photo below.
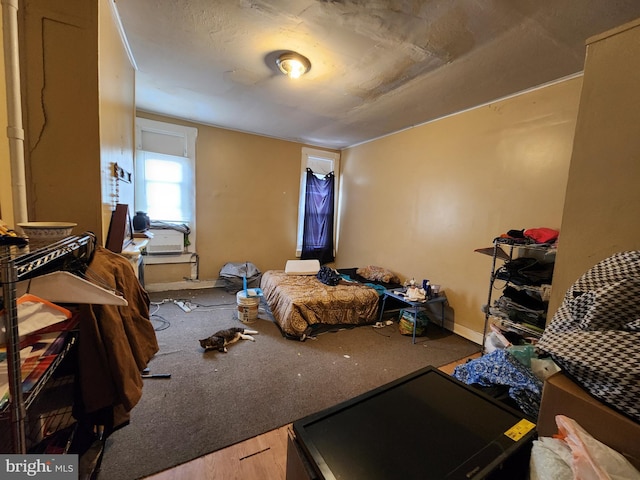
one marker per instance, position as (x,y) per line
(302,267)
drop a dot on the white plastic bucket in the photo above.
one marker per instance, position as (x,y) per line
(247,307)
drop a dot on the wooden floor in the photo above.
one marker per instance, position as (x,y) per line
(261,457)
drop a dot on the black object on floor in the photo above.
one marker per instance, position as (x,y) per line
(425,425)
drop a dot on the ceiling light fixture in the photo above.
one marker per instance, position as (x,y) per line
(293,64)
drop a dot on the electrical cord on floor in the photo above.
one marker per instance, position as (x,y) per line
(188,306)
(154,317)
(164,323)
(378,332)
(201,305)
(162,302)
(379,326)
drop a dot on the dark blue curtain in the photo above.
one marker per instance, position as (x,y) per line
(317,236)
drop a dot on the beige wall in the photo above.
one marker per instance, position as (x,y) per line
(60,86)
(117,113)
(602,205)
(420,201)
(247,201)
(78,88)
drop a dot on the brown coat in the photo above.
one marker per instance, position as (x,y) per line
(115,342)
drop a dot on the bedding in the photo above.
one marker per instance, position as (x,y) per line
(380,274)
(302,305)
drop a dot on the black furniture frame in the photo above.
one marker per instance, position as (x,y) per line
(426,425)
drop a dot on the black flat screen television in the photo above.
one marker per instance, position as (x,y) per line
(427,425)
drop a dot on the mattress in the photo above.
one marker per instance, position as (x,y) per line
(300,304)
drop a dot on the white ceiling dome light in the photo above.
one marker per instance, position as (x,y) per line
(293,64)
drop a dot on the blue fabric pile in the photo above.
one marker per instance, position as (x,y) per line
(502,368)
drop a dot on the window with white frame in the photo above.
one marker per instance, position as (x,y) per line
(165,172)
(321,162)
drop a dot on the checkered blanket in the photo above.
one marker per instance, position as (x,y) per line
(595,334)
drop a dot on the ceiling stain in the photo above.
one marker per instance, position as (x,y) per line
(419,38)
(378,66)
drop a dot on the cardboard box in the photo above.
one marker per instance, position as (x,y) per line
(562,396)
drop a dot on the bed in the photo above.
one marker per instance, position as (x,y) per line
(302,305)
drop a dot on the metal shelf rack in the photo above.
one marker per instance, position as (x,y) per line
(71,253)
(498,253)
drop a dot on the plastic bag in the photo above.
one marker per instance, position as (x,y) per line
(543,368)
(550,460)
(592,459)
(405,324)
(232,275)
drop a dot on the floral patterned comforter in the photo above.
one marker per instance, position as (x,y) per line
(301,303)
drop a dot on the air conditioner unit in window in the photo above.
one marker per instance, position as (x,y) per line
(165,241)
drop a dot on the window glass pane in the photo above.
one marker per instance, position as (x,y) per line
(320,166)
(164,201)
(163,171)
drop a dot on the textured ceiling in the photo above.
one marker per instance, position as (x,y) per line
(377,66)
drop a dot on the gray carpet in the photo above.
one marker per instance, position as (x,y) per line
(214,400)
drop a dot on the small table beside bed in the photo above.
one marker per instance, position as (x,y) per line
(396,295)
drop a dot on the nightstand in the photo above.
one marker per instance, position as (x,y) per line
(416,306)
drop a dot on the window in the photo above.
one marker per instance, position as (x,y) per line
(165,192)
(165,172)
(322,163)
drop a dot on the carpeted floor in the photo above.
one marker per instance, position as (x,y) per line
(214,400)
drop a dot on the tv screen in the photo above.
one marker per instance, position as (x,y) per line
(425,425)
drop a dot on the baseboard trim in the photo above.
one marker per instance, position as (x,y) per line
(181,285)
(465,332)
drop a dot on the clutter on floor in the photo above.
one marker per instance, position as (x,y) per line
(575,453)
